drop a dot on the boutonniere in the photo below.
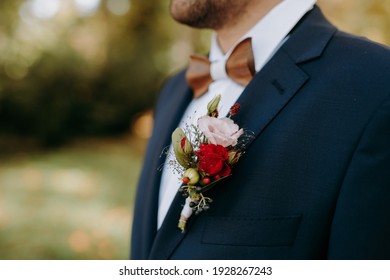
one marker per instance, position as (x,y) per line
(204,155)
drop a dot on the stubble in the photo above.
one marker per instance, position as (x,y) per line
(214,14)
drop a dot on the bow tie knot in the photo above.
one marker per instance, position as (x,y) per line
(239,67)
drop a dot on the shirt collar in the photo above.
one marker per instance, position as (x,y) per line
(269,33)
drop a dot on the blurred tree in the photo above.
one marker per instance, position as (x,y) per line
(369,18)
(72,76)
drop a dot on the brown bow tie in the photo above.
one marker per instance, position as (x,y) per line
(240,67)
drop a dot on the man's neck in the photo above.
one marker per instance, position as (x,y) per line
(229,34)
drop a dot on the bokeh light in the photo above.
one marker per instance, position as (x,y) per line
(87,7)
(118,7)
(143,125)
(45,9)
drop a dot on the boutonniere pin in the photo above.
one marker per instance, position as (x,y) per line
(204,155)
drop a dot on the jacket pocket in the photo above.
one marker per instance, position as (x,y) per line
(261,232)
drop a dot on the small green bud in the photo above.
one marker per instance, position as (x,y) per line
(234,156)
(193,176)
(212,106)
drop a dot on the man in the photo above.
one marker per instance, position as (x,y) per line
(314,182)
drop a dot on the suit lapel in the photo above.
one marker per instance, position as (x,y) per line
(269,92)
(176,95)
(266,95)
(169,235)
(281,78)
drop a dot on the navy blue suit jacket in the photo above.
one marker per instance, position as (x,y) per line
(315,181)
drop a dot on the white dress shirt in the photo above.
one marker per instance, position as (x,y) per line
(267,36)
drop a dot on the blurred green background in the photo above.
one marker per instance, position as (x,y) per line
(78,80)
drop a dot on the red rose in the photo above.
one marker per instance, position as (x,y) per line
(212,160)
(225,171)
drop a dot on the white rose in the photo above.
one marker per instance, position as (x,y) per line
(222,132)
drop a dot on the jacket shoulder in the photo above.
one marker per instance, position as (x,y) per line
(361,50)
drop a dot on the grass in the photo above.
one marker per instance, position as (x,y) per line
(71,203)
